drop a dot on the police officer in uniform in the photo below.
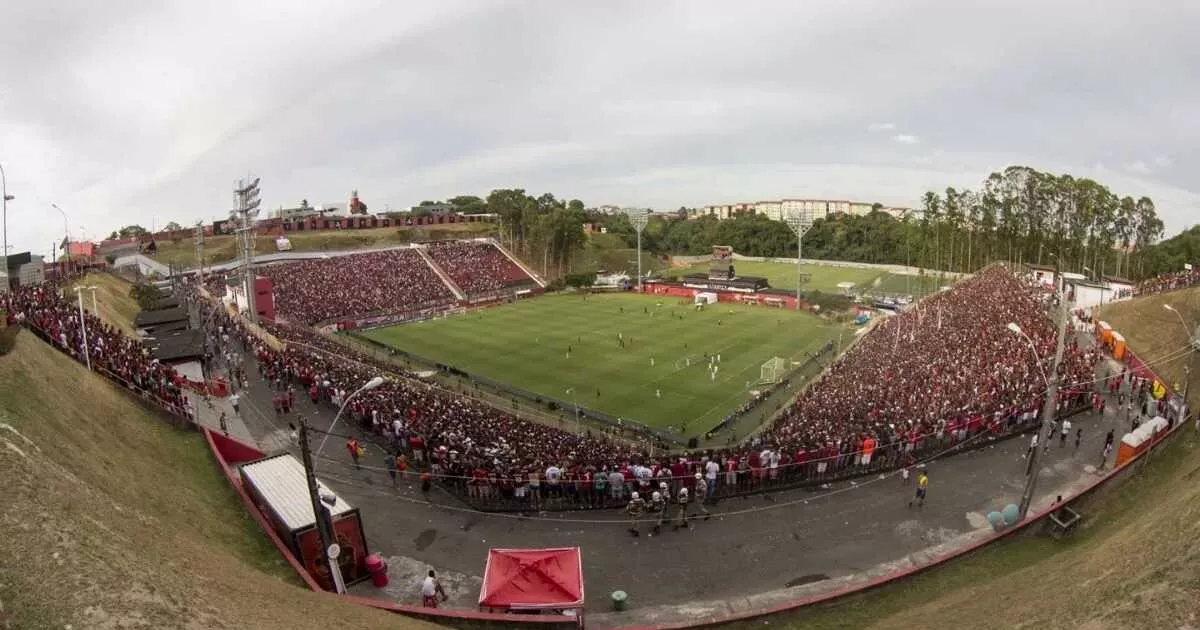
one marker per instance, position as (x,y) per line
(701,492)
(682,501)
(658,507)
(635,509)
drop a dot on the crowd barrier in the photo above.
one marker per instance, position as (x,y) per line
(520,494)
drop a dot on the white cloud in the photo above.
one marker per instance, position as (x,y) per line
(134,116)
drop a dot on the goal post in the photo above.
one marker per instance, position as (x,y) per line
(773,370)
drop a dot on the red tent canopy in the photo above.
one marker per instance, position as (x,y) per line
(529,579)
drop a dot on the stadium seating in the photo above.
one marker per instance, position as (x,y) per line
(938,377)
(316,290)
(925,381)
(478,267)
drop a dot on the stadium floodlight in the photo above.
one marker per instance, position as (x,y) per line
(639,217)
(366,387)
(800,222)
(1193,341)
(6,198)
(87,354)
(1012,326)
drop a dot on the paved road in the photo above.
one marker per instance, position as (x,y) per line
(750,545)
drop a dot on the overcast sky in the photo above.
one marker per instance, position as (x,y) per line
(126,111)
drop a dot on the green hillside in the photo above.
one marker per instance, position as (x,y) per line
(113,519)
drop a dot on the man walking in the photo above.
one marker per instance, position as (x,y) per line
(356,451)
(1066,430)
(702,491)
(234,399)
(1108,446)
(682,500)
(658,508)
(922,485)
(431,591)
(390,461)
(635,509)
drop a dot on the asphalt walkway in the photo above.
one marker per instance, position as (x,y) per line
(750,545)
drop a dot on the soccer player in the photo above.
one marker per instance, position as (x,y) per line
(635,509)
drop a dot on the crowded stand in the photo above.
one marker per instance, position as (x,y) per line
(932,379)
(950,364)
(321,289)
(1170,281)
(43,309)
(477,267)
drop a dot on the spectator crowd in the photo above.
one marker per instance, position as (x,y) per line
(928,379)
(321,289)
(45,310)
(1162,283)
(477,267)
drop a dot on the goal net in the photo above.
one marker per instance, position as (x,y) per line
(772,371)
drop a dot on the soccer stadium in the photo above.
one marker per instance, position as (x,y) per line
(746,354)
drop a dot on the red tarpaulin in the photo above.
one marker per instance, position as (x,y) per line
(532,579)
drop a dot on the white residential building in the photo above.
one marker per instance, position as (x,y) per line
(770,209)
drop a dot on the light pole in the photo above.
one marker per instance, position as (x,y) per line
(1049,406)
(87,355)
(368,386)
(575,399)
(638,217)
(6,198)
(1032,348)
(800,222)
(66,231)
(1194,342)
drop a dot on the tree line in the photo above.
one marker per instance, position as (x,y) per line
(544,230)
(1017,215)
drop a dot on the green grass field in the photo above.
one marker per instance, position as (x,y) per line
(525,344)
(782,275)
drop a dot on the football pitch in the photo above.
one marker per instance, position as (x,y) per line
(825,278)
(635,357)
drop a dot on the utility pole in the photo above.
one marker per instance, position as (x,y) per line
(1049,407)
(200,249)
(245,195)
(320,513)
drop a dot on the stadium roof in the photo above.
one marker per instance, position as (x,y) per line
(186,344)
(146,319)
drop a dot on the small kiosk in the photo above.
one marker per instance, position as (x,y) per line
(279,488)
(533,581)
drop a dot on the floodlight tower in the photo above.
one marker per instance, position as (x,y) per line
(800,222)
(638,217)
(245,196)
(200,249)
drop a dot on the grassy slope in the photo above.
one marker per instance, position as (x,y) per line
(525,344)
(113,519)
(219,249)
(1156,334)
(112,299)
